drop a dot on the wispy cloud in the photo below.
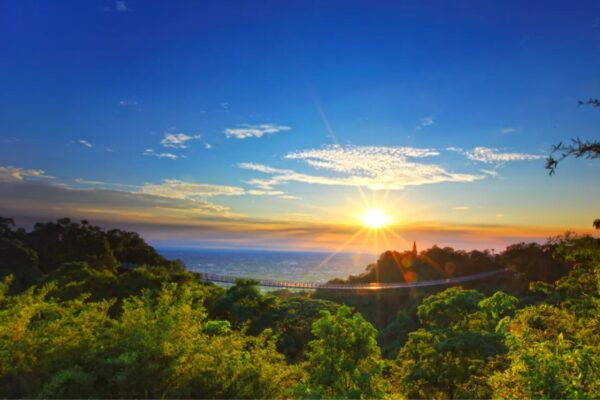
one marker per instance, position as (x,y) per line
(15,174)
(173,197)
(424,122)
(260,192)
(508,130)
(152,153)
(290,197)
(490,172)
(177,189)
(89,182)
(10,139)
(254,131)
(51,199)
(128,103)
(177,140)
(178,213)
(85,143)
(119,6)
(461,208)
(360,159)
(370,166)
(493,156)
(264,168)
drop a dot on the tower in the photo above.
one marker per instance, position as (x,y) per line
(414,250)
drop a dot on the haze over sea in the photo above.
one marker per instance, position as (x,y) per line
(276,265)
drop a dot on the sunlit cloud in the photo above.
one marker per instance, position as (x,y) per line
(264,168)
(85,143)
(490,155)
(179,212)
(177,140)
(177,189)
(170,200)
(258,192)
(377,168)
(508,130)
(15,174)
(56,200)
(254,131)
(360,159)
(290,197)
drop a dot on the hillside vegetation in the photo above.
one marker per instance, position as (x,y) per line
(90,313)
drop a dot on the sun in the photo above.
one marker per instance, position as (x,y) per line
(375,218)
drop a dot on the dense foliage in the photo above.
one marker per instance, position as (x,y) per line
(89,313)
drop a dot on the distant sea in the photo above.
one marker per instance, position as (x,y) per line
(276,265)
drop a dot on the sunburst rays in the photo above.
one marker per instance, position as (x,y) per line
(371,235)
(377,223)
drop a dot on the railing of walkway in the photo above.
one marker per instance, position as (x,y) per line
(352,286)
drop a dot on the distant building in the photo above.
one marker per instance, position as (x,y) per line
(414,250)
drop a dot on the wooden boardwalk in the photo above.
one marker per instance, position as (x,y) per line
(352,286)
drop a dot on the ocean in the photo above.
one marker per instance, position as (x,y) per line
(275,265)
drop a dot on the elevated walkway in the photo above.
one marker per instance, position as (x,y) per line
(352,286)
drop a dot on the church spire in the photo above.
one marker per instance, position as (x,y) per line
(414,250)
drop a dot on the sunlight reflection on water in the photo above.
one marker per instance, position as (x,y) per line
(290,266)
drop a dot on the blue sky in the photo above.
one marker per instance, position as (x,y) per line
(274,124)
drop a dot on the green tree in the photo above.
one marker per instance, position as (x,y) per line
(395,334)
(447,364)
(552,354)
(499,305)
(533,262)
(293,320)
(344,360)
(460,344)
(6,226)
(21,262)
(130,249)
(554,349)
(65,241)
(244,304)
(451,305)
(161,345)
